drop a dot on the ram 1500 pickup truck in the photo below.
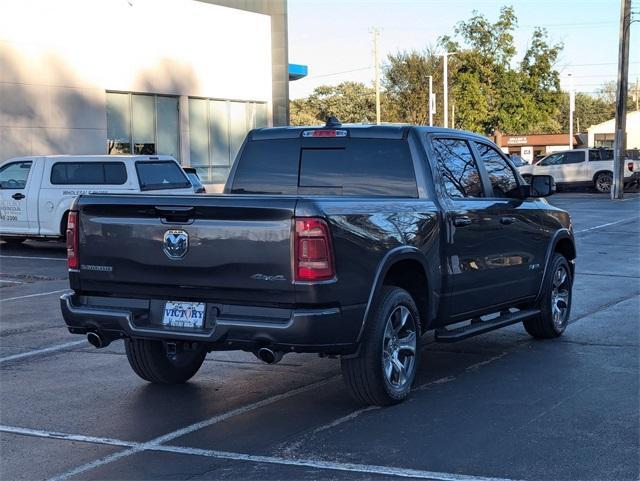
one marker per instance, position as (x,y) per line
(349,241)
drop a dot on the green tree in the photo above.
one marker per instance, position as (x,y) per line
(351,102)
(487,89)
(406,86)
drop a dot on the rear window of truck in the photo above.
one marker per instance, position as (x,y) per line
(88,173)
(157,175)
(353,167)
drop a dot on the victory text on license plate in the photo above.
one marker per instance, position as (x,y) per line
(184,314)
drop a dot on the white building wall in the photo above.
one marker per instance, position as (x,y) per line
(58,58)
(609,127)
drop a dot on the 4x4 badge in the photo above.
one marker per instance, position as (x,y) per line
(176,243)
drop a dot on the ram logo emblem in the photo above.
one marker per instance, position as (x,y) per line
(176,244)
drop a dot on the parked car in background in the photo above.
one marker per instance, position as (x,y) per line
(582,168)
(37,192)
(518,161)
(344,241)
(194,178)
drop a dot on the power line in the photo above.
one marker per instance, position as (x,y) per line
(336,73)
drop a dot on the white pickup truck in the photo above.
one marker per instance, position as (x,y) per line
(36,192)
(582,168)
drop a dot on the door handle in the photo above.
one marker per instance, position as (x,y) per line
(18,196)
(507,220)
(461,221)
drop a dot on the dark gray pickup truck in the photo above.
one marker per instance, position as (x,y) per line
(348,241)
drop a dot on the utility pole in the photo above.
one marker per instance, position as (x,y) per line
(431,100)
(376,65)
(572,107)
(445,81)
(617,191)
(453,115)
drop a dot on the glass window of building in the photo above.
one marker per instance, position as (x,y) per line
(217,129)
(142,124)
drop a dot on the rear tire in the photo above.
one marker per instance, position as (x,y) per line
(150,361)
(555,303)
(603,182)
(385,368)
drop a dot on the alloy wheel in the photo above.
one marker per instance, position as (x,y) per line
(399,347)
(560,297)
(603,183)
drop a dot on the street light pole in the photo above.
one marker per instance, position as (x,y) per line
(430,100)
(376,65)
(445,80)
(572,107)
(617,190)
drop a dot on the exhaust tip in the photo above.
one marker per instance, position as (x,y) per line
(95,340)
(268,356)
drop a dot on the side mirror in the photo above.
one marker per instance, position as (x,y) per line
(542,186)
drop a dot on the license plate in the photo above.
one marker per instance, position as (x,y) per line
(184,314)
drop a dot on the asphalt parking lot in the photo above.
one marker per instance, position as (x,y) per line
(498,406)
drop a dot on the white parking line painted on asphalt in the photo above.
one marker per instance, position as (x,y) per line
(327,465)
(69,437)
(601,226)
(233,456)
(11,282)
(193,427)
(33,295)
(33,257)
(37,352)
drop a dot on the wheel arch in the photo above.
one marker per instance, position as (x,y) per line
(601,171)
(406,267)
(562,243)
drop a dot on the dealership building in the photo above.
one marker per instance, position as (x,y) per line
(186,78)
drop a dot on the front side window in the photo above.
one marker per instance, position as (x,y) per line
(503,180)
(89,173)
(157,175)
(458,168)
(14,175)
(553,159)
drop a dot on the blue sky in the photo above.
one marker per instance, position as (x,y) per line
(333,36)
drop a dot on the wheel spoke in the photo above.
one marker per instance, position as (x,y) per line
(400,369)
(408,343)
(388,332)
(402,314)
(388,369)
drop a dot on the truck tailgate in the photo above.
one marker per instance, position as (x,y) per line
(237,247)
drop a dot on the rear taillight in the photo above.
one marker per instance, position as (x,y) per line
(630,166)
(313,253)
(72,241)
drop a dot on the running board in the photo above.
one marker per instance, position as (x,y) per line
(480,327)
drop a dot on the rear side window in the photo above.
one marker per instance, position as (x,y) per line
(156,175)
(90,173)
(503,180)
(457,167)
(351,167)
(602,154)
